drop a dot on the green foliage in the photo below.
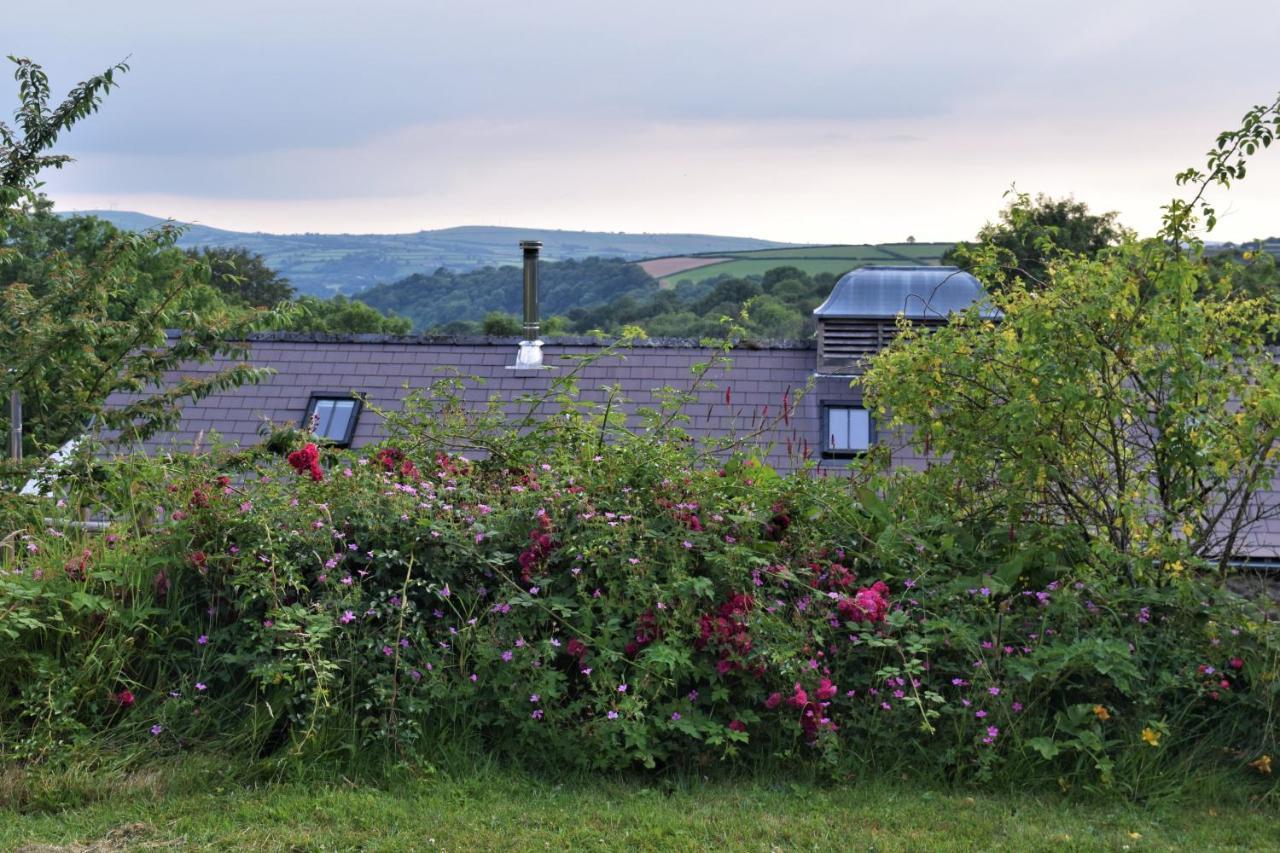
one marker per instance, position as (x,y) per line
(1128,399)
(1031,233)
(243,276)
(340,315)
(95,316)
(444,296)
(779,305)
(501,324)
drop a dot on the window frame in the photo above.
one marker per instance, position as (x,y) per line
(829,452)
(337,397)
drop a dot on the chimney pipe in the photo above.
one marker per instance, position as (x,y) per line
(530,249)
(529,356)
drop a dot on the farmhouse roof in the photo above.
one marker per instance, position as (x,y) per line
(918,293)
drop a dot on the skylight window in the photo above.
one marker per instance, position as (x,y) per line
(849,430)
(334,417)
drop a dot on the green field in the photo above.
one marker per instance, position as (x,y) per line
(836,260)
(173,807)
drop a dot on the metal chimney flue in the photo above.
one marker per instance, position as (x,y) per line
(529,356)
(530,249)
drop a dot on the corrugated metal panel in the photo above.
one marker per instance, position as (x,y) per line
(915,292)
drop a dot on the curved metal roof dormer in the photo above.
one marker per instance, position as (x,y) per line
(860,316)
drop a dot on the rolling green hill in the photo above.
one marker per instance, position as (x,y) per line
(328,264)
(811,260)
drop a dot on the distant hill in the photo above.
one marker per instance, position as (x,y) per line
(327,264)
(811,260)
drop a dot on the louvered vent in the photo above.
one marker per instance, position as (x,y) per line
(844,344)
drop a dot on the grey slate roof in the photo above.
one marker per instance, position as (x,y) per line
(383,368)
(919,293)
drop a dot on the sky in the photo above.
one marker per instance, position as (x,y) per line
(813,122)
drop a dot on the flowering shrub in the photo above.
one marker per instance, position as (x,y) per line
(606,605)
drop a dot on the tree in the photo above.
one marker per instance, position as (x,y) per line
(243,276)
(1128,399)
(65,347)
(1032,232)
(342,316)
(499,324)
(40,242)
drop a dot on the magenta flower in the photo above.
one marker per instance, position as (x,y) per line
(347,617)
(613,715)
(675,716)
(200,685)
(537,715)
(203,640)
(622,688)
(157,729)
(508,655)
(534,698)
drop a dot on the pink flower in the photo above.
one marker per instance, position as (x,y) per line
(347,617)
(124,699)
(737,726)
(774,700)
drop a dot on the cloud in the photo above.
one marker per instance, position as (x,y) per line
(786,120)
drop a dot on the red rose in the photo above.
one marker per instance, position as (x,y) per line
(124,699)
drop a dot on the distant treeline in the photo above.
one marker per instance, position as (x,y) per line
(444,298)
(778,304)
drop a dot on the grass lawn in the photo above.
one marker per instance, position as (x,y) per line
(169,808)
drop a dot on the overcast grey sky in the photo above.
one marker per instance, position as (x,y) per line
(804,121)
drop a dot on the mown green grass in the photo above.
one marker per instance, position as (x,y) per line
(196,808)
(862,252)
(813,260)
(760,267)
